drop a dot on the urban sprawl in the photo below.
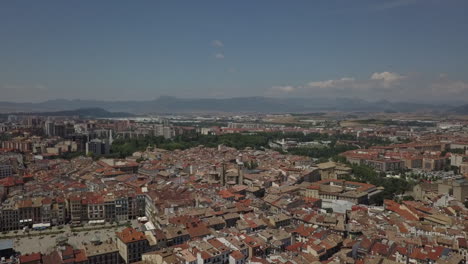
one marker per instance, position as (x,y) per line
(233,189)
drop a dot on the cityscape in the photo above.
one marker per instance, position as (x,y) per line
(118,147)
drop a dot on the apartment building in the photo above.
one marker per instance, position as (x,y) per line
(131,244)
(385,164)
(434,162)
(5,170)
(458,188)
(23,145)
(355,192)
(102,252)
(9,218)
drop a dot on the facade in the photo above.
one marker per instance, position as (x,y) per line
(5,170)
(49,128)
(458,188)
(131,244)
(434,163)
(22,145)
(354,192)
(464,168)
(97,147)
(18,214)
(333,170)
(385,164)
(9,218)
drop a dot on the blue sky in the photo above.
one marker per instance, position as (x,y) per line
(138,50)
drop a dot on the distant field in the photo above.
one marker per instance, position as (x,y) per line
(350,123)
(284,120)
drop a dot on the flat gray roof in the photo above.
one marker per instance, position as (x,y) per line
(6,244)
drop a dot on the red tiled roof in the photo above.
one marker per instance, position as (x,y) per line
(80,256)
(427,253)
(226,194)
(405,213)
(198,230)
(30,258)
(10,181)
(380,249)
(304,231)
(297,247)
(237,255)
(129,235)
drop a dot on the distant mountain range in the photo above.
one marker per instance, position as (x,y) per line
(168,104)
(460,110)
(82,112)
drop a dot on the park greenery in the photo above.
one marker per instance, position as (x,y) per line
(125,147)
(322,153)
(393,186)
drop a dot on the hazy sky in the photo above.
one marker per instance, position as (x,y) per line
(139,50)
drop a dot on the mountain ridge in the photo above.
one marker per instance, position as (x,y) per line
(94,112)
(459,110)
(169,104)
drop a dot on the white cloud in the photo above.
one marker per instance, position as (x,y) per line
(382,85)
(332,83)
(284,89)
(219,56)
(217,43)
(387,78)
(376,80)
